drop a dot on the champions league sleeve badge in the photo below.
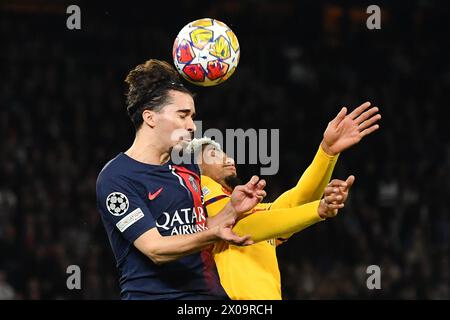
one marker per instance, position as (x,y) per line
(117,203)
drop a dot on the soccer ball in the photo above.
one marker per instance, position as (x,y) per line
(206,52)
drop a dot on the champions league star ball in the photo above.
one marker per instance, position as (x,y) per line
(206,52)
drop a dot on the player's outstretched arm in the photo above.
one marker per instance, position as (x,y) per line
(344,131)
(282,223)
(311,184)
(162,249)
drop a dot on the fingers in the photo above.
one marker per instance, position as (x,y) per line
(333,213)
(370,122)
(256,182)
(329,191)
(240,241)
(243,240)
(245,189)
(337,190)
(337,186)
(366,115)
(253,181)
(335,206)
(227,234)
(333,203)
(251,185)
(251,192)
(337,183)
(368,131)
(355,113)
(334,198)
(335,195)
(260,194)
(261,184)
(340,116)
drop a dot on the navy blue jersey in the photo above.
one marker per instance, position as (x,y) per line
(134,197)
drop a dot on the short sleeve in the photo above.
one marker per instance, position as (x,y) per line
(214,196)
(121,205)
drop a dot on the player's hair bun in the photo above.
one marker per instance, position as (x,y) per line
(149,85)
(146,78)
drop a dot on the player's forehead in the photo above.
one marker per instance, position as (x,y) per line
(180,101)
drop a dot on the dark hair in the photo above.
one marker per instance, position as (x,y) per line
(232,181)
(148,86)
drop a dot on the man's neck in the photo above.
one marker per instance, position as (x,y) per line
(145,151)
(225,186)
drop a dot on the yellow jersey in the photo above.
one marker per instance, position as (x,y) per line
(251,272)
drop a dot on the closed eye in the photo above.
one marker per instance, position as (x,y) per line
(185,112)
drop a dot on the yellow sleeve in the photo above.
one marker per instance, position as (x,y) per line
(276,223)
(312,183)
(214,197)
(263,222)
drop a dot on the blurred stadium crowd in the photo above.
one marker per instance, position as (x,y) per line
(62,116)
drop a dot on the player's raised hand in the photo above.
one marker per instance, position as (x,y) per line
(245,197)
(346,130)
(336,193)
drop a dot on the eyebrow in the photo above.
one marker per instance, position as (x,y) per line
(186,111)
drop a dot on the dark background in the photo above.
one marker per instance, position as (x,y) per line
(62,117)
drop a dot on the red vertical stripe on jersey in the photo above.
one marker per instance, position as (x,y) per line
(190,178)
(206,254)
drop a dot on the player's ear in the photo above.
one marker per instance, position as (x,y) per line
(148,116)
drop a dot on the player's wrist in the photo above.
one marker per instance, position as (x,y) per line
(230,211)
(327,149)
(213,234)
(322,209)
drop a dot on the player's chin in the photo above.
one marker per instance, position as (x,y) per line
(230,175)
(232,180)
(230,171)
(182,143)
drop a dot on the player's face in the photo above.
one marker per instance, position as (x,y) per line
(174,123)
(217,165)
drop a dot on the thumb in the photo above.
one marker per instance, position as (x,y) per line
(350,180)
(229,222)
(340,116)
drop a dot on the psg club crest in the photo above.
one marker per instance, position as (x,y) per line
(193,183)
